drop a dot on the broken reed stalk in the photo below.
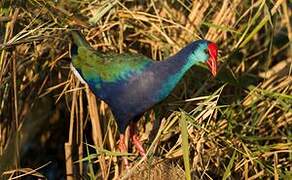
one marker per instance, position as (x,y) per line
(96,128)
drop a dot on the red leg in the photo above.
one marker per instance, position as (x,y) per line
(122,147)
(135,139)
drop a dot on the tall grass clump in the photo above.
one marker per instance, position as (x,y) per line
(235,126)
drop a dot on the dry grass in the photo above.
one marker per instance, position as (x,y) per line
(237,126)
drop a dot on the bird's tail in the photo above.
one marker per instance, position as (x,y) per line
(78,41)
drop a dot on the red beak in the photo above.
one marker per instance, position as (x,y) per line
(212,61)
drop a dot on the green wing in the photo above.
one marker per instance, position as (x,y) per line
(108,67)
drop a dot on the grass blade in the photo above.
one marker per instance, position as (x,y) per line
(227,172)
(185,145)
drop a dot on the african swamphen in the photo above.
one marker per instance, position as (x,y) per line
(131,83)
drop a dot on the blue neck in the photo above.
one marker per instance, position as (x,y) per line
(178,65)
(187,57)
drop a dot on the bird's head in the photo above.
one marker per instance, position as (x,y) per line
(203,51)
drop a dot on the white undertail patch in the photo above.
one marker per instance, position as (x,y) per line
(76,73)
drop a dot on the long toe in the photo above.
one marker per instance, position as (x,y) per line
(138,145)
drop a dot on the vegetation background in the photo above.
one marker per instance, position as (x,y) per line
(236,126)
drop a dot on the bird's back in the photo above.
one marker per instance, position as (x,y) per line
(107,67)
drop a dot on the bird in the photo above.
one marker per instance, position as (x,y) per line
(132,83)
